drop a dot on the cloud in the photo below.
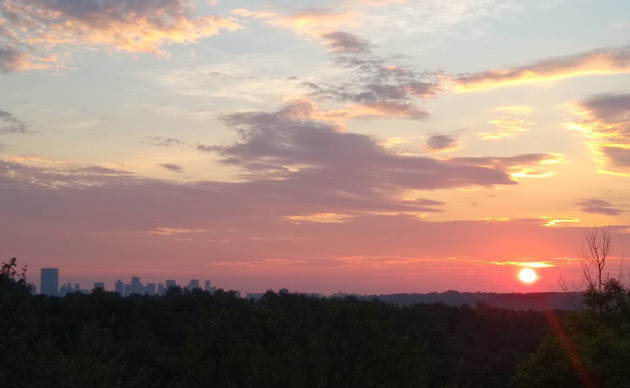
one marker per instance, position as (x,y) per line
(345,42)
(380,86)
(313,22)
(605,121)
(55,174)
(36,26)
(173,231)
(598,206)
(12,60)
(10,124)
(441,143)
(389,109)
(162,141)
(603,61)
(172,167)
(509,124)
(289,149)
(519,166)
(551,222)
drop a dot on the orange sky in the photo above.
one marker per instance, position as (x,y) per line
(356,146)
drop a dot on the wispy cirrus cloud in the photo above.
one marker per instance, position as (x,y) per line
(512,121)
(33,28)
(10,124)
(601,61)
(605,121)
(598,206)
(163,141)
(313,22)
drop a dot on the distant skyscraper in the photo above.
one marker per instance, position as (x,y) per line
(119,287)
(194,283)
(135,287)
(208,287)
(150,288)
(100,285)
(50,281)
(170,283)
(66,289)
(160,289)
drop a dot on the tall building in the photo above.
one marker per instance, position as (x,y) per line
(135,287)
(100,285)
(150,289)
(170,283)
(194,283)
(119,287)
(208,287)
(50,281)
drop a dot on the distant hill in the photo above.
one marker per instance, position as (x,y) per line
(515,301)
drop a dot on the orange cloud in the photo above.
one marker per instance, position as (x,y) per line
(40,26)
(556,221)
(522,166)
(605,122)
(509,124)
(604,61)
(312,22)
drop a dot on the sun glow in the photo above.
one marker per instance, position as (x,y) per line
(527,275)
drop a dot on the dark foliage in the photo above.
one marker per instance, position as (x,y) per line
(197,339)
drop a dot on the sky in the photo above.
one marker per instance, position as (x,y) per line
(361,146)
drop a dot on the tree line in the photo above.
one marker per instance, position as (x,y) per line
(191,338)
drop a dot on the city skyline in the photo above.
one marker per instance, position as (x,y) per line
(367,146)
(49,285)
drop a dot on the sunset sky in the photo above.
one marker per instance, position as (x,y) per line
(362,146)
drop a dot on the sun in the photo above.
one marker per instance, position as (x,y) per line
(527,275)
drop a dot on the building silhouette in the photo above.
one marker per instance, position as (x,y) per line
(194,283)
(50,281)
(119,287)
(170,283)
(150,289)
(208,287)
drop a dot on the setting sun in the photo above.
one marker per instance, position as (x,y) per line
(527,275)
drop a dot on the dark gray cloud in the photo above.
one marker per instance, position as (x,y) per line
(598,206)
(10,124)
(620,156)
(440,142)
(382,84)
(287,149)
(172,167)
(345,42)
